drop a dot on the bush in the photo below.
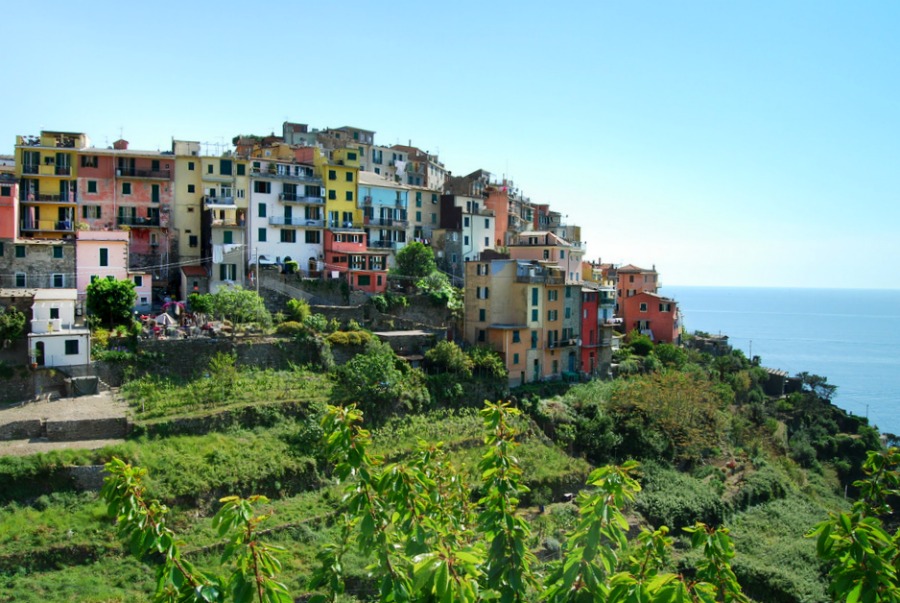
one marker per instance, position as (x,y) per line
(297,310)
(290,327)
(677,500)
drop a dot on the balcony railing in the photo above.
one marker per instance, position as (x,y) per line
(138,222)
(345,225)
(382,244)
(227,222)
(295,198)
(540,278)
(48,325)
(124,172)
(387,222)
(295,221)
(30,169)
(63,170)
(48,225)
(215,201)
(30,198)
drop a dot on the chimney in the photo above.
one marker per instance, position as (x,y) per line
(121,145)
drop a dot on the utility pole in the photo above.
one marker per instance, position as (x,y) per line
(256,252)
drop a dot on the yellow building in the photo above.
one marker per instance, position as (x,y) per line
(517,308)
(188,199)
(47,168)
(340,174)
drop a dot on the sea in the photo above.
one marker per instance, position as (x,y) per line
(850,336)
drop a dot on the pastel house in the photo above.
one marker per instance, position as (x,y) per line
(55,340)
(105,254)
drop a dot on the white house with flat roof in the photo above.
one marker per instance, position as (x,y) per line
(55,340)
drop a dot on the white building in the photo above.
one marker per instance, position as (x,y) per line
(54,339)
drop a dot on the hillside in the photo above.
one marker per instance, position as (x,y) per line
(712,449)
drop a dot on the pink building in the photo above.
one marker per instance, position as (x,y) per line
(347,256)
(653,315)
(132,190)
(9,207)
(104,254)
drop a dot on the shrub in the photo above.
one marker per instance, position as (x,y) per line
(298,310)
(290,327)
(677,500)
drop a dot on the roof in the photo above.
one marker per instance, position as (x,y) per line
(138,152)
(633,268)
(373,179)
(194,271)
(654,295)
(55,294)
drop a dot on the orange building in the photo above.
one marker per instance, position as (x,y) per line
(347,256)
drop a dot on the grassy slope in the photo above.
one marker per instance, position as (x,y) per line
(61,547)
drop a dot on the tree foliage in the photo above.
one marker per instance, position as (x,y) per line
(12,325)
(111,301)
(240,306)
(446,356)
(425,538)
(415,260)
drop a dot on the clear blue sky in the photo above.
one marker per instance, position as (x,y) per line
(727,143)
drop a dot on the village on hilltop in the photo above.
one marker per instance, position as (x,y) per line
(326,205)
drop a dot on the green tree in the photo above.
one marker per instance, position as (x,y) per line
(446,356)
(200,303)
(380,382)
(297,310)
(12,325)
(240,306)
(111,301)
(415,260)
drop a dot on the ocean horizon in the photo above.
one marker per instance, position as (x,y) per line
(848,336)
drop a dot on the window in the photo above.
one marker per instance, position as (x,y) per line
(225,167)
(482,292)
(57,252)
(434,198)
(332,175)
(90,212)
(192,240)
(89,161)
(562,254)
(209,168)
(104,256)
(126,188)
(227,272)
(138,280)
(466,240)
(487,223)
(349,176)
(59,281)
(643,307)
(631,278)
(349,195)
(482,314)
(20,279)
(191,188)
(534,296)
(418,198)
(312,236)
(481,335)
(534,340)
(92,186)
(466,221)
(363,280)
(552,295)
(190,166)
(228,237)
(487,241)
(546,254)
(261,235)
(71,347)
(516,337)
(568,312)
(1,248)
(5,191)
(434,218)
(288,235)
(665,307)
(569,292)
(418,216)
(261,186)
(552,315)
(515,359)
(54,313)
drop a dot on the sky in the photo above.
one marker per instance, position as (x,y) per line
(724,143)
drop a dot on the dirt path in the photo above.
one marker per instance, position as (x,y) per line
(105,405)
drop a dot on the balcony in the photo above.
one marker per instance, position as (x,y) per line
(262,173)
(47,225)
(227,223)
(63,170)
(387,222)
(30,198)
(48,325)
(30,169)
(124,172)
(138,222)
(295,198)
(296,221)
(218,202)
(344,226)
(381,245)
(540,278)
